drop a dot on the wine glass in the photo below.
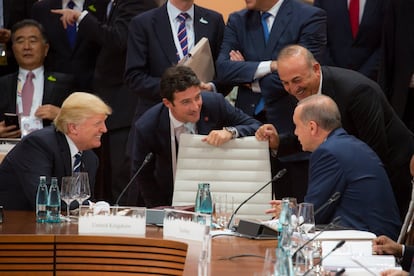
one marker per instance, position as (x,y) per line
(83,190)
(67,192)
(306,218)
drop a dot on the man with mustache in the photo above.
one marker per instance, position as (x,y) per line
(365,113)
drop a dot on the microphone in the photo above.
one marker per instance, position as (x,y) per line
(327,227)
(148,158)
(331,200)
(338,245)
(279,175)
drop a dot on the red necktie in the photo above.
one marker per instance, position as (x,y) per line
(27,93)
(354,16)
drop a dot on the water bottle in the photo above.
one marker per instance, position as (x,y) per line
(53,202)
(41,200)
(204,203)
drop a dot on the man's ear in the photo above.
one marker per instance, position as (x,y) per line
(72,129)
(313,127)
(167,103)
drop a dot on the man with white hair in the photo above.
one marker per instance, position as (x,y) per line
(53,151)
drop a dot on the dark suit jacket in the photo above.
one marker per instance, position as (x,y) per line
(366,114)
(151,50)
(112,37)
(13,12)
(57,87)
(152,134)
(398,59)
(362,54)
(80,60)
(295,23)
(43,152)
(347,165)
(407,259)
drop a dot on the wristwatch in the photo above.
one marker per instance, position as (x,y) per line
(232,130)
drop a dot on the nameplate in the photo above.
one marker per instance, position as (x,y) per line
(186,225)
(112,220)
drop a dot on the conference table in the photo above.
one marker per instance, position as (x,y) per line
(230,255)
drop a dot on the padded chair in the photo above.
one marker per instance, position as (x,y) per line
(27,254)
(103,255)
(238,168)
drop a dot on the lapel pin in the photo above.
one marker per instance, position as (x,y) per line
(202,20)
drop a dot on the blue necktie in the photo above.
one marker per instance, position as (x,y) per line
(71,29)
(260,106)
(265,16)
(78,162)
(182,32)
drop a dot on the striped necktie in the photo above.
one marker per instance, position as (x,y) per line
(71,29)
(27,93)
(182,32)
(78,162)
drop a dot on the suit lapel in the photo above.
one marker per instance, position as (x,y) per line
(255,34)
(48,89)
(280,24)
(65,152)
(201,24)
(11,93)
(162,27)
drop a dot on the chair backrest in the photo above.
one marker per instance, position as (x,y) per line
(237,168)
(26,254)
(98,255)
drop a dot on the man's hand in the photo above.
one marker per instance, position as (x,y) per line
(9,131)
(235,55)
(384,245)
(206,86)
(412,166)
(276,208)
(218,137)
(69,17)
(47,111)
(268,132)
(394,272)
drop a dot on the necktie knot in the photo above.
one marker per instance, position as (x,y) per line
(182,17)
(30,76)
(71,5)
(189,128)
(77,162)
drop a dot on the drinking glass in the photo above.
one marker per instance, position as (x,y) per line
(306,218)
(83,189)
(68,193)
(223,208)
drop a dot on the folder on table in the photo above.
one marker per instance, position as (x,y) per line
(201,60)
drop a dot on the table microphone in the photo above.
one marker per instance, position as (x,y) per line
(338,245)
(327,227)
(148,158)
(279,175)
(331,200)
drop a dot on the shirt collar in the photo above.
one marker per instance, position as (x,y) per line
(37,72)
(275,9)
(174,121)
(320,84)
(78,3)
(72,147)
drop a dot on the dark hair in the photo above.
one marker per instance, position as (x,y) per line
(176,79)
(29,23)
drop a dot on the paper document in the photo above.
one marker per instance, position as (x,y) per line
(201,60)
